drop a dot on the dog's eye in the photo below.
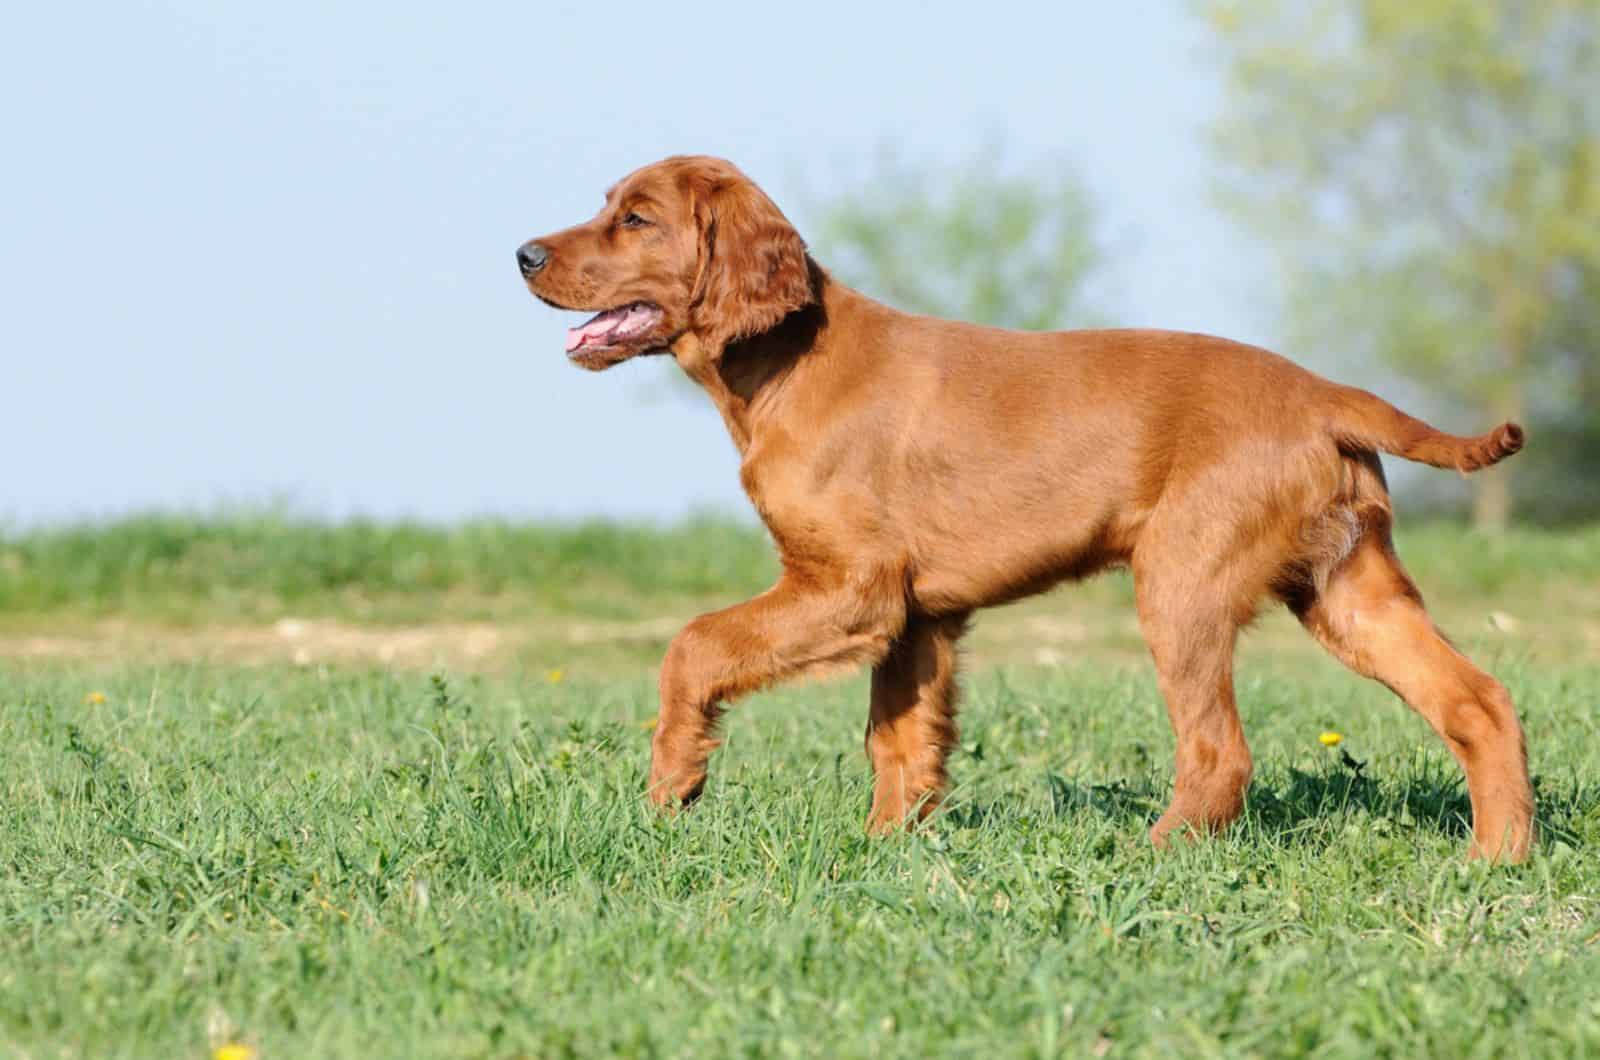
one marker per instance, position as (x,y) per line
(633,220)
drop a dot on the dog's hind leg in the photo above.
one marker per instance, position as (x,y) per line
(1196,583)
(1369,615)
(1193,653)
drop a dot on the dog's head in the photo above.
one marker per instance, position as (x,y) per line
(687,246)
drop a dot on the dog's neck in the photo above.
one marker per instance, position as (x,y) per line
(746,378)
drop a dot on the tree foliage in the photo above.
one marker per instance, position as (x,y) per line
(1430,170)
(980,242)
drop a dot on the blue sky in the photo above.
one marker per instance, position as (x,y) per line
(265,251)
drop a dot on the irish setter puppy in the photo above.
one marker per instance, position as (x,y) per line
(912,470)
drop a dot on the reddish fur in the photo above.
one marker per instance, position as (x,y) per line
(913,470)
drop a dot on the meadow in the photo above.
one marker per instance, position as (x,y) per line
(375,790)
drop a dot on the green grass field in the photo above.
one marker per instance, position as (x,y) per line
(325,855)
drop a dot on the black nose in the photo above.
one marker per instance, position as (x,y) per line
(531,258)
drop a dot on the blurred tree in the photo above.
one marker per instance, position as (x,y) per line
(1430,170)
(980,242)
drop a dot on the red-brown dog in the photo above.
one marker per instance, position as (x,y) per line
(912,470)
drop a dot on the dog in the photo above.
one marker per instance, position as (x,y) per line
(913,470)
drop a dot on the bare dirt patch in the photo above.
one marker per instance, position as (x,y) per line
(316,641)
(1046,632)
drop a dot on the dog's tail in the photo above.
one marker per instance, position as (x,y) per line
(1360,420)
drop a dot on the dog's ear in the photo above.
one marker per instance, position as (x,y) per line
(753,270)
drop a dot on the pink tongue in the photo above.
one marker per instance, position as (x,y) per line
(595,330)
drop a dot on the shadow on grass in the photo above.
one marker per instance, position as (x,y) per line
(1436,802)
(1283,806)
(1119,801)
(1431,803)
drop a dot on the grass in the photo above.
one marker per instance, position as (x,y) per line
(183,570)
(328,860)
(362,864)
(187,570)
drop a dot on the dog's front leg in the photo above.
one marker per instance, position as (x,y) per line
(797,628)
(912,728)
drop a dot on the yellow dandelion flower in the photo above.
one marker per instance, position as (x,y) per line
(1331,739)
(649,724)
(554,676)
(94,699)
(234,1051)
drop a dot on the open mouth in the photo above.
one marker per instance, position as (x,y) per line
(613,327)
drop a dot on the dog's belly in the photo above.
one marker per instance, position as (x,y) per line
(1001,575)
(1020,534)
